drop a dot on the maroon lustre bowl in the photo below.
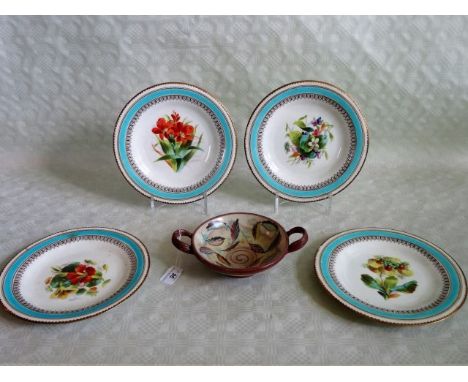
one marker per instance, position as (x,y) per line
(239,244)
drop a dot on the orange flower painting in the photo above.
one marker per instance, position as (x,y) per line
(175,141)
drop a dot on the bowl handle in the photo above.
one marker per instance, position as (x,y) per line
(298,244)
(184,247)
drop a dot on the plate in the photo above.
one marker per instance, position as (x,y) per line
(175,143)
(391,276)
(73,275)
(306,141)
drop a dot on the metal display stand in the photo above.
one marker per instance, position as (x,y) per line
(324,206)
(155,204)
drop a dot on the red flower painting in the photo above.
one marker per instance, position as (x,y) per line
(76,279)
(175,140)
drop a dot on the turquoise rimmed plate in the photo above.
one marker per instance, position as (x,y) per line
(306,141)
(73,275)
(174,143)
(391,276)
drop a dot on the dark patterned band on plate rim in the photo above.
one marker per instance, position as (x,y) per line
(335,176)
(439,267)
(16,289)
(152,183)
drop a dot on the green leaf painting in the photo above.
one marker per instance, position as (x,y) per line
(370,282)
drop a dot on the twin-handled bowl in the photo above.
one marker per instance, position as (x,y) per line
(239,244)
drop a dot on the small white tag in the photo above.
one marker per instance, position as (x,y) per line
(171,275)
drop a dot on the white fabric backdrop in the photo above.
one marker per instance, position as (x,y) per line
(65,79)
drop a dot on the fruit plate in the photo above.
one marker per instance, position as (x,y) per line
(391,276)
(73,275)
(174,143)
(306,141)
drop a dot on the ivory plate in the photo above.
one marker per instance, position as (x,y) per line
(391,276)
(175,143)
(306,141)
(73,275)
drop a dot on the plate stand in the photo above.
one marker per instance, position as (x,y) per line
(324,206)
(155,204)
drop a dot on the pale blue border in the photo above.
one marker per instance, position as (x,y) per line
(304,89)
(451,271)
(9,277)
(174,92)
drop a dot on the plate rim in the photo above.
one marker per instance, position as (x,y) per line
(192,87)
(460,300)
(278,90)
(141,281)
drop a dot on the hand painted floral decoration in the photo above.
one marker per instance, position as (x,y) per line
(175,141)
(390,270)
(237,247)
(309,142)
(76,279)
